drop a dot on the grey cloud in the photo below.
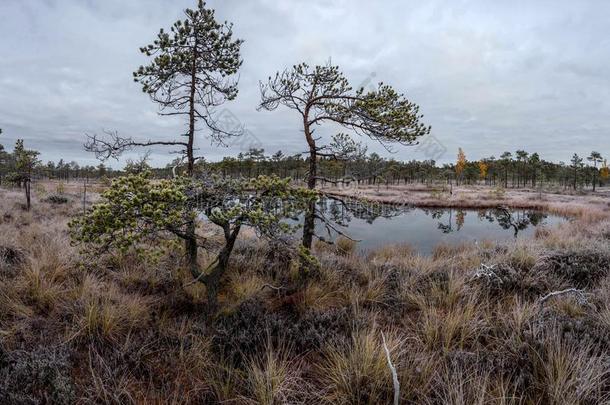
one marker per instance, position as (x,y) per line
(489,76)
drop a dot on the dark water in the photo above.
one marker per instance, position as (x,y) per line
(378,225)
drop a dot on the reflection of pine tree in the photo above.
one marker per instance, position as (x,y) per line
(447,228)
(460,164)
(518,220)
(459,219)
(332,211)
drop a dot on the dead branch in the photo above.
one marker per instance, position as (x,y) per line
(392,370)
(581,297)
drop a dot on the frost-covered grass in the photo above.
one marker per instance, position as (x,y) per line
(464,325)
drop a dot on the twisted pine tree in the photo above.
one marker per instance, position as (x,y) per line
(190,74)
(139,212)
(322,94)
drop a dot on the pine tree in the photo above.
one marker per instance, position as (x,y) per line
(596,158)
(576,164)
(189,75)
(25,162)
(534,161)
(506,159)
(322,94)
(522,161)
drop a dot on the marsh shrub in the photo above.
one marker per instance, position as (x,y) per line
(505,279)
(10,255)
(279,259)
(244,333)
(10,261)
(581,268)
(34,377)
(57,199)
(317,328)
(577,329)
(40,189)
(498,193)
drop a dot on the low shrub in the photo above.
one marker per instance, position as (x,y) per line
(503,279)
(11,256)
(583,269)
(244,332)
(57,199)
(38,376)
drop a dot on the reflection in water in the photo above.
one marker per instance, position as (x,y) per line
(342,212)
(517,220)
(378,224)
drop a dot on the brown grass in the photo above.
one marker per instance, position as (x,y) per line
(135,334)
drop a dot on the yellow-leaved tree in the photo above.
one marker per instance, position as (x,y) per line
(604,172)
(483,168)
(460,164)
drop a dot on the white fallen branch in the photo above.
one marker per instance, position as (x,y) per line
(580,295)
(487,272)
(393,371)
(272,287)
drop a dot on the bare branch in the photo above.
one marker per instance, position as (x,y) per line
(112,145)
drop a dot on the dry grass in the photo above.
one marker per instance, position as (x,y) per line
(271,378)
(569,372)
(105,314)
(357,373)
(136,335)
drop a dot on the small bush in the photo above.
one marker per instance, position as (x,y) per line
(580,268)
(504,279)
(35,377)
(57,199)
(11,256)
(242,334)
(316,329)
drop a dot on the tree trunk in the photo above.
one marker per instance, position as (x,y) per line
(191,240)
(190,244)
(309,221)
(191,133)
(27,194)
(575,172)
(212,280)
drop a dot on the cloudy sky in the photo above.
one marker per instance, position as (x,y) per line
(489,76)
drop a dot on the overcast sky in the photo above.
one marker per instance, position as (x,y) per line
(489,76)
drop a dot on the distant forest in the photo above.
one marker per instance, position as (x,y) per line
(509,170)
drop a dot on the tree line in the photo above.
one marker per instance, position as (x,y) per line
(511,170)
(518,170)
